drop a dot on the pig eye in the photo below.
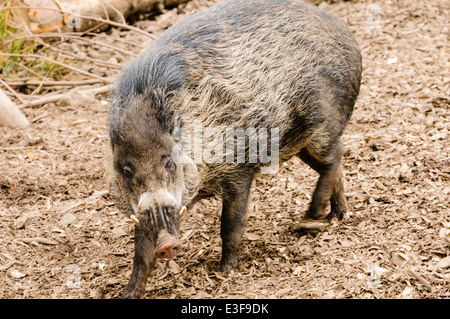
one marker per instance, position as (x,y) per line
(170,165)
(127,172)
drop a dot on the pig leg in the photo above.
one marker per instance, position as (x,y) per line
(330,187)
(144,259)
(234,206)
(338,201)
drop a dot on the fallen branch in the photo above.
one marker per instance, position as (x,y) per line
(36,56)
(61,96)
(44,22)
(54,83)
(73,56)
(64,36)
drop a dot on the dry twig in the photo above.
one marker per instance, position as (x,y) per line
(36,56)
(54,83)
(12,91)
(39,240)
(425,282)
(78,37)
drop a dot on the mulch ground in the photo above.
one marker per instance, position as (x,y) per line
(62,237)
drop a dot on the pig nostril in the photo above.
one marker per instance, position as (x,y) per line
(168,250)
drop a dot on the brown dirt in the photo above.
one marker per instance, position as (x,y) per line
(392,244)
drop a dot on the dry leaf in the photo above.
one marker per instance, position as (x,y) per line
(174,266)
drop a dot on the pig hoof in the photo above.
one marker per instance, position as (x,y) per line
(308,224)
(336,214)
(131,295)
(228,265)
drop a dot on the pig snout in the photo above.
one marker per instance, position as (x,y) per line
(168,246)
(169,250)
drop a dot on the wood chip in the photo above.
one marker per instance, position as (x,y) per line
(444,263)
(39,240)
(17,274)
(20,222)
(309,224)
(68,219)
(252,237)
(396,169)
(425,282)
(7,265)
(399,259)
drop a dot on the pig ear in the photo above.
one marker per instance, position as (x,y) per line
(116,137)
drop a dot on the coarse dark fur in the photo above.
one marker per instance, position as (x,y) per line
(239,64)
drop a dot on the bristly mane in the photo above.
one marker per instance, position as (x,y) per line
(143,93)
